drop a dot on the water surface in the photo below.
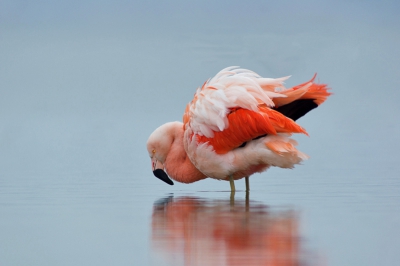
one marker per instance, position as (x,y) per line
(83,85)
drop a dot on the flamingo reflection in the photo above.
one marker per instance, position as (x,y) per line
(195,231)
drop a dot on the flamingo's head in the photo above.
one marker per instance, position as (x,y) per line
(158,146)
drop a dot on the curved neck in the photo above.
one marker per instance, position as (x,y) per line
(177,164)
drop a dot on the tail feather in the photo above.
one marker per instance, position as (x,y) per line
(318,92)
(301,99)
(287,153)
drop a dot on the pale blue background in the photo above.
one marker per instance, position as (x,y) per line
(83,84)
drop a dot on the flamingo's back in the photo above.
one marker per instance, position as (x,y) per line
(238,105)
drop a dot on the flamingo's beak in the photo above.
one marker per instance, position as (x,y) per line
(158,171)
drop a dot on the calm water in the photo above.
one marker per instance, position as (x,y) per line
(82,87)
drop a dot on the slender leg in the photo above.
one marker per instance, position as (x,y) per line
(247,183)
(232,183)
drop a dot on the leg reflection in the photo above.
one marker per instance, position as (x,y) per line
(232,198)
(226,232)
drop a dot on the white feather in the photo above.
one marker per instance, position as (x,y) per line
(231,87)
(220,166)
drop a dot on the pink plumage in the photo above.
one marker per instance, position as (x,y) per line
(237,124)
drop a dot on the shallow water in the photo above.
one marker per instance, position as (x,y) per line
(82,87)
(294,219)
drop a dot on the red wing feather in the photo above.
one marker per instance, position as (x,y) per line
(245,125)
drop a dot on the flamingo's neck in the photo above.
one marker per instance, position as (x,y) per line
(178,165)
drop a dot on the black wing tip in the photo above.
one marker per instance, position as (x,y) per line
(297,108)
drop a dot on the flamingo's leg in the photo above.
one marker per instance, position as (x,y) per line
(232,183)
(247,183)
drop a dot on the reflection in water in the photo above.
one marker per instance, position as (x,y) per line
(225,232)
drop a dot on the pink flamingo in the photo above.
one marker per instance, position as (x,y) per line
(237,124)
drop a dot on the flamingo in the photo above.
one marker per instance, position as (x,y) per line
(237,124)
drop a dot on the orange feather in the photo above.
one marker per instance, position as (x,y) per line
(318,92)
(245,125)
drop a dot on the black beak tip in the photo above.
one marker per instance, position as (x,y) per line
(160,174)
